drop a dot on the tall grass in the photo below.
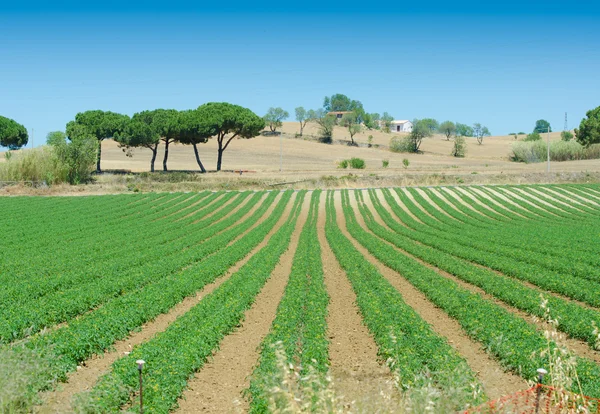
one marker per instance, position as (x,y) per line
(39,165)
(536,151)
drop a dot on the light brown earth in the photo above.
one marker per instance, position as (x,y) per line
(305,163)
(357,375)
(496,382)
(218,386)
(59,400)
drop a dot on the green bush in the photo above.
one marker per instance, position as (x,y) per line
(536,151)
(401,144)
(459,148)
(357,163)
(385,163)
(406,163)
(534,136)
(39,165)
(566,136)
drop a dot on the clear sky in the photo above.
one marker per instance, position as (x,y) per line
(504,65)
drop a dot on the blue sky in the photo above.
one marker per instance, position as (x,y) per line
(504,65)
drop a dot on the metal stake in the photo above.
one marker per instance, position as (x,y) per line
(140,365)
(548,142)
(541,372)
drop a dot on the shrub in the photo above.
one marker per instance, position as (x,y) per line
(460,147)
(400,144)
(370,141)
(405,163)
(536,151)
(534,136)
(343,164)
(357,163)
(385,163)
(566,136)
(39,164)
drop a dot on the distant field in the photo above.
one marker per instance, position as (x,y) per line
(205,287)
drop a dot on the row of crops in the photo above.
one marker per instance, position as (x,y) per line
(79,274)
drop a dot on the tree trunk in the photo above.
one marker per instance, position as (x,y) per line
(301,128)
(219,159)
(154,151)
(166,155)
(98,156)
(198,158)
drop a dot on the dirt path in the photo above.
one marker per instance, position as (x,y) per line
(573,203)
(495,380)
(218,386)
(417,204)
(401,204)
(448,195)
(515,206)
(357,374)
(506,212)
(59,400)
(580,347)
(435,206)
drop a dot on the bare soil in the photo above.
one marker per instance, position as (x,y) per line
(87,374)
(218,386)
(357,374)
(496,382)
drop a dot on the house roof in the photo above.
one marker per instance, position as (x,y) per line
(404,121)
(339,112)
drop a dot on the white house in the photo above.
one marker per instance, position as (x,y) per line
(401,126)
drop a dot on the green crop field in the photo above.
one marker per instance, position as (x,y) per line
(81,275)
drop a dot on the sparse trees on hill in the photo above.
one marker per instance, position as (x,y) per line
(463,130)
(448,128)
(350,121)
(326,123)
(588,132)
(432,124)
(12,134)
(100,124)
(274,118)
(386,120)
(226,122)
(303,117)
(480,131)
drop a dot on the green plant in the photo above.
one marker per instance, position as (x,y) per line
(343,164)
(405,163)
(357,163)
(385,163)
(534,136)
(459,149)
(370,141)
(566,135)
(8,155)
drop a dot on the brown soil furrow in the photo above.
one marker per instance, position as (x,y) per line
(517,192)
(447,193)
(579,199)
(419,206)
(191,206)
(85,377)
(540,196)
(201,207)
(434,205)
(507,199)
(580,347)
(495,380)
(402,206)
(208,206)
(357,374)
(507,213)
(509,194)
(184,197)
(218,386)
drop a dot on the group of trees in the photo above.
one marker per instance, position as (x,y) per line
(147,129)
